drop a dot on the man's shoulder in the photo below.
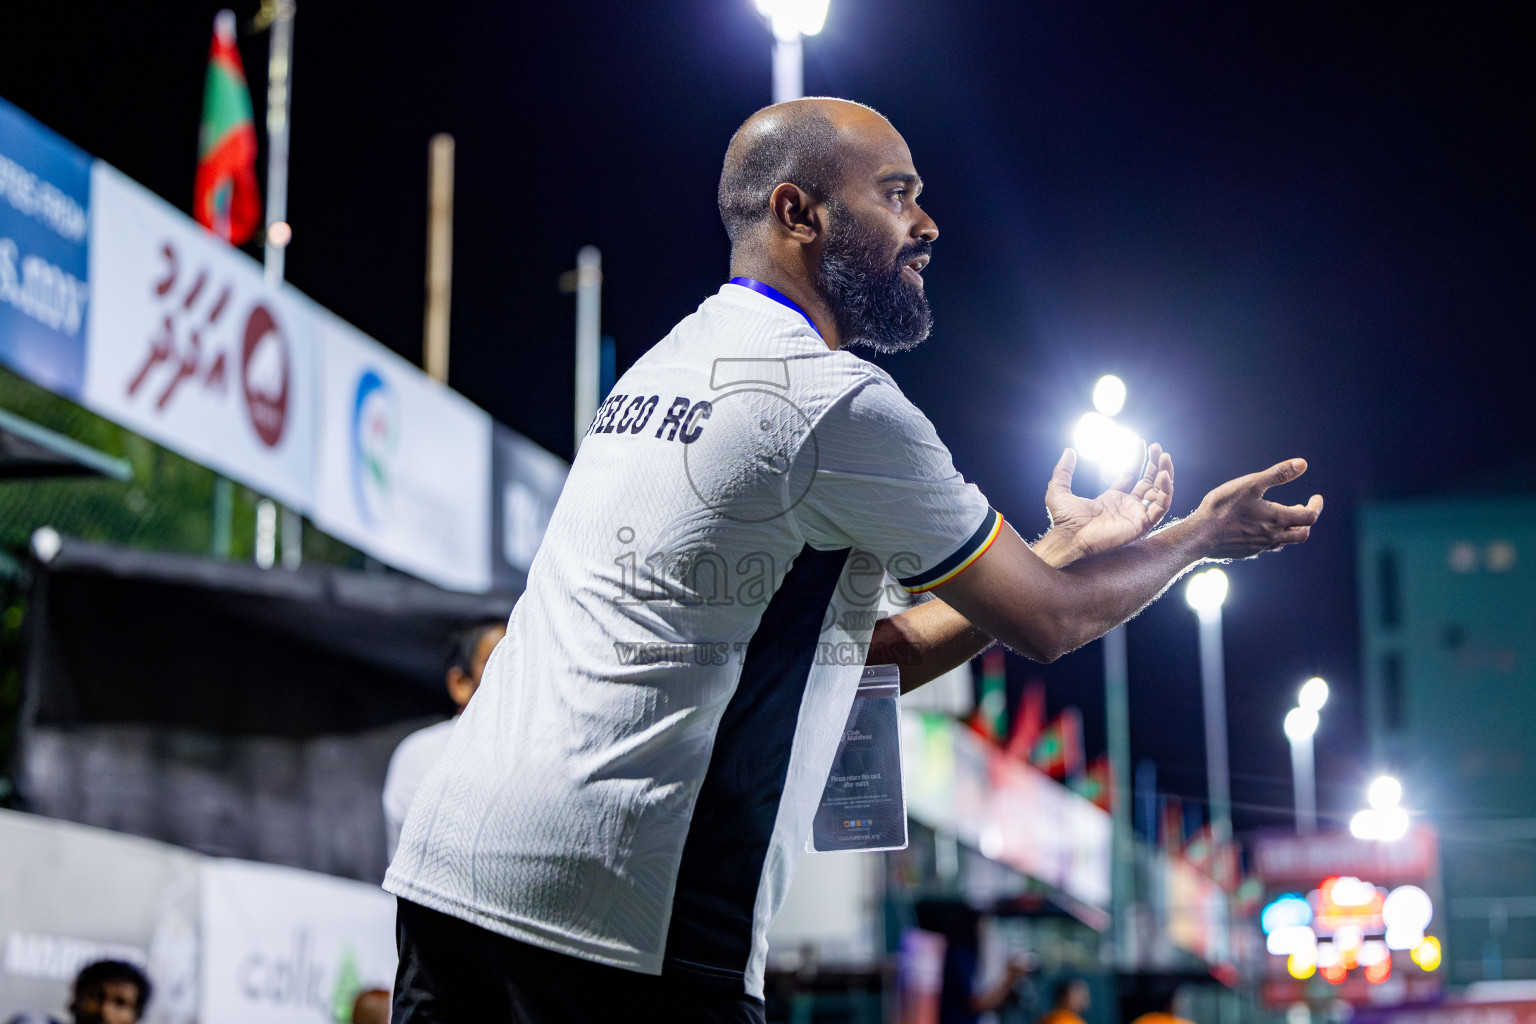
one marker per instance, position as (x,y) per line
(33,1018)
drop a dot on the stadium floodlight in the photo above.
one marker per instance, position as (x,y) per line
(1300,724)
(1206,591)
(793,18)
(1385,792)
(1114,448)
(1314,694)
(1109,395)
(1384,820)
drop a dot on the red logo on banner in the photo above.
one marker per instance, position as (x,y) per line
(264,376)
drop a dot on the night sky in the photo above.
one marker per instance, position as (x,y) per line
(1293,229)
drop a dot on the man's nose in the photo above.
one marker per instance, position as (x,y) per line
(925,228)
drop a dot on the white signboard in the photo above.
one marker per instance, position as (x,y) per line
(191,349)
(71,895)
(282,946)
(403,470)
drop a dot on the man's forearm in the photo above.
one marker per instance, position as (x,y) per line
(1043,612)
(1105,590)
(925,642)
(932,638)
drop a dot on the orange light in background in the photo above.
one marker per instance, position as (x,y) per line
(1335,974)
(1379,971)
(1427,953)
(1348,902)
(1301,967)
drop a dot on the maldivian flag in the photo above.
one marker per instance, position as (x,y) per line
(225,198)
(1097,783)
(1059,751)
(1029,723)
(991,716)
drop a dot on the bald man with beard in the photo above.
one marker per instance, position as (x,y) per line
(617,816)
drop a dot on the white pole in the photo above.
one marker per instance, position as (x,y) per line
(1118,720)
(1304,782)
(1214,692)
(788,69)
(439,256)
(589,293)
(279,92)
(279,96)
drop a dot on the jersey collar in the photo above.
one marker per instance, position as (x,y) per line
(773,293)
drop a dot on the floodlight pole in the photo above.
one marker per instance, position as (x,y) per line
(1304,784)
(788,67)
(1214,697)
(589,292)
(1118,714)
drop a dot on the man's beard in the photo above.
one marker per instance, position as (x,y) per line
(870,302)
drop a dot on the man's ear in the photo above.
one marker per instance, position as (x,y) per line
(460,686)
(796,213)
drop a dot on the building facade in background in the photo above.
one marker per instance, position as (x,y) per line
(1448,630)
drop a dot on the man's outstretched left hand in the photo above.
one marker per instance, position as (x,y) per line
(1126,512)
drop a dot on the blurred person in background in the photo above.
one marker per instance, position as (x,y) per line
(469,651)
(1163,1012)
(965,993)
(1070,1000)
(105,992)
(371,1007)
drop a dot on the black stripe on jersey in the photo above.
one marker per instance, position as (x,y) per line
(738,803)
(966,550)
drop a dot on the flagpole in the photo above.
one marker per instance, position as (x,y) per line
(279,77)
(278,233)
(439,256)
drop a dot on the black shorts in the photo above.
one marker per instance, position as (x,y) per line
(454,972)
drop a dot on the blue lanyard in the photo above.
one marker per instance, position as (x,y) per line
(774,294)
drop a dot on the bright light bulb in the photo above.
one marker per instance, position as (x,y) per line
(794,17)
(1427,953)
(1292,938)
(1393,824)
(1314,694)
(1100,439)
(1407,907)
(1205,591)
(1300,724)
(1384,824)
(1384,792)
(1109,395)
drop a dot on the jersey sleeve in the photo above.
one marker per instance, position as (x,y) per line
(883,482)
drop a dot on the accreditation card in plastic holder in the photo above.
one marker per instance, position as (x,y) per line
(864,807)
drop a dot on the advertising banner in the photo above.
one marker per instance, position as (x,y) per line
(282,946)
(403,470)
(525,484)
(192,350)
(45,203)
(73,895)
(1013,813)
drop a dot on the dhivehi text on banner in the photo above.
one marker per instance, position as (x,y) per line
(45,202)
(190,348)
(404,463)
(282,946)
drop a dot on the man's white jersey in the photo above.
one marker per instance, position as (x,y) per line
(639,769)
